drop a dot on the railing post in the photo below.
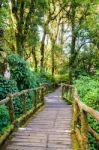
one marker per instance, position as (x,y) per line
(42,95)
(84,130)
(45,90)
(62,87)
(24,103)
(75,115)
(11,110)
(70,93)
(38,96)
(35,98)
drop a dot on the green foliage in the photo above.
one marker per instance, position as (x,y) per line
(80,71)
(21,72)
(88,88)
(88,61)
(26,79)
(4,118)
(93,144)
(44,77)
(7,87)
(22,77)
(62,78)
(4,14)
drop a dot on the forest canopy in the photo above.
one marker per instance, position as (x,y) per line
(41,31)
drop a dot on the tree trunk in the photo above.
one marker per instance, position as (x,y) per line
(22,23)
(20,38)
(35,58)
(62,37)
(3,62)
(73,42)
(42,52)
(1,39)
(53,61)
(20,44)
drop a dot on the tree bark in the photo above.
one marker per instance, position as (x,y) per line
(35,58)
(73,42)
(62,37)
(3,62)
(53,61)
(22,23)
(42,51)
(20,44)
(19,35)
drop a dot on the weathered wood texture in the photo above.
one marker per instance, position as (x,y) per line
(80,120)
(49,130)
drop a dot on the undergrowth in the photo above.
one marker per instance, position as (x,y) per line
(88,89)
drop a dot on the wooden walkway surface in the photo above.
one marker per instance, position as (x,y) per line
(49,130)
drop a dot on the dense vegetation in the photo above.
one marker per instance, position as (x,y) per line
(45,41)
(22,77)
(88,89)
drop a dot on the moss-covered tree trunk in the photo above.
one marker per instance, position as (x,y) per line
(23,21)
(52,58)
(3,63)
(73,42)
(20,44)
(35,58)
(42,51)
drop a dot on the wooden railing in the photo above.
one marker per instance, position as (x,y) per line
(80,125)
(37,96)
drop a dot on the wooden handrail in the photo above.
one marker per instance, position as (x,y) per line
(81,104)
(84,107)
(9,101)
(80,122)
(4,101)
(38,101)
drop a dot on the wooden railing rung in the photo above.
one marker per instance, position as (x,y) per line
(24,103)
(93,133)
(84,129)
(80,120)
(84,107)
(11,110)
(38,101)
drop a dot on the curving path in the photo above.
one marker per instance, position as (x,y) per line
(49,130)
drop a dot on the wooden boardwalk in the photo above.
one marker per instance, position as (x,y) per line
(49,130)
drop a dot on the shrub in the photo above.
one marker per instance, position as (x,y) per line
(24,76)
(7,87)
(4,118)
(21,72)
(88,89)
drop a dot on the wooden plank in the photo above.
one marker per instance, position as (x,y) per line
(66,146)
(53,148)
(29,144)
(25,148)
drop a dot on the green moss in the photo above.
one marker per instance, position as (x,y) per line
(6,134)
(75,144)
